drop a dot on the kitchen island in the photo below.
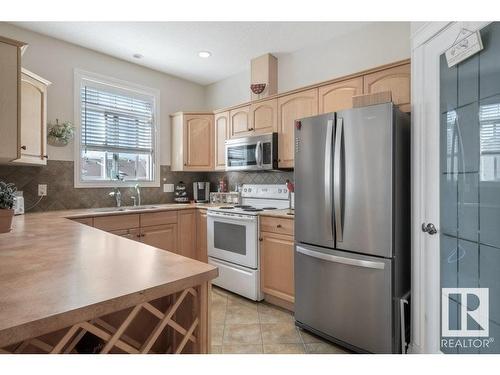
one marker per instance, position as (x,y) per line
(70,288)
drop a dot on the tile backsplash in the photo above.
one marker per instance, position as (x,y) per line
(61,193)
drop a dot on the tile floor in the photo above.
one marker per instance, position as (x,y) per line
(243,326)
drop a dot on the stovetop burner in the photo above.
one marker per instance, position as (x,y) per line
(252,209)
(242,206)
(269,208)
(227,208)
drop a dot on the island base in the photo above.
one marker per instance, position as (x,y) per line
(177,323)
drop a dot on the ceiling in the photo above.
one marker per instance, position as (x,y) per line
(172,47)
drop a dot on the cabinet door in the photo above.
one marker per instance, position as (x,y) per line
(338,96)
(397,80)
(187,233)
(239,123)
(198,142)
(33,120)
(10,76)
(161,236)
(290,108)
(276,252)
(221,134)
(131,234)
(201,236)
(264,116)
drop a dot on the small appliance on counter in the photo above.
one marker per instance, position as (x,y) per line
(19,203)
(201,191)
(181,195)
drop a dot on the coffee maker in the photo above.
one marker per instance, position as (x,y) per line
(201,191)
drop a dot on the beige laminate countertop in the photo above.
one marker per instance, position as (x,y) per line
(55,272)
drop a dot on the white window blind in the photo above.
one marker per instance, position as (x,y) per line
(489,117)
(118,132)
(115,123)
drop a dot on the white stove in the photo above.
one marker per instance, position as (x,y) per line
(257,198)
(232,238)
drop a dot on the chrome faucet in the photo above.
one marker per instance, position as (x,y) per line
(138,194)
(118,196)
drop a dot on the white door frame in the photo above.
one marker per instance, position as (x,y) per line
(428,43)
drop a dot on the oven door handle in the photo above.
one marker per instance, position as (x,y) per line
(231,217)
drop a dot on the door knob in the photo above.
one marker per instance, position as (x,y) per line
(429,228)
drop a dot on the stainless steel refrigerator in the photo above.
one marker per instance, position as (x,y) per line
(352,225)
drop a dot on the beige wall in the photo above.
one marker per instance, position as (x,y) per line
(373,45)
(56,60)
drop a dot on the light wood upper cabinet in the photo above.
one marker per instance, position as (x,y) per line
(201,236)
(397,80)
(192,142)
(221,134)
(33,119)
(264,116)
(239,122)
(10,99)
(277,263)
(187,233)
(338,96)
(290,108)
(161,236)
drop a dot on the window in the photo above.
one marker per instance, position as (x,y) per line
(489,139)
(116,133)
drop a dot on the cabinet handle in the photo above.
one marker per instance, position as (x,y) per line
(143,234)
(250,129)
(138,235)
(261,239)
(45,156)
(185,164)
(23,148)
(278,226)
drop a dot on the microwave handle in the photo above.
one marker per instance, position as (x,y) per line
(258,154)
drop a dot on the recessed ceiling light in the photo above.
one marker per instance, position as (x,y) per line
(137,56)
(204,54)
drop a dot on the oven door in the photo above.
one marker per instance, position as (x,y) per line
(233,238)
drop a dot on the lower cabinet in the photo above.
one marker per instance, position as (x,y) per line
(186,221)
(131,234)
(183,232)
(277,263)
(201,236)
(160,236)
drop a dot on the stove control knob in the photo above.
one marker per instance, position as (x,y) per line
(245,190)
(279,191)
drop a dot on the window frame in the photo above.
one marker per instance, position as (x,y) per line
(80,77)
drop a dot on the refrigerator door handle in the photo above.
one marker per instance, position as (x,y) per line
(343,260)
(338,169)
(328,179)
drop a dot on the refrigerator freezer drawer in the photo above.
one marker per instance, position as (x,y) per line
(345,296)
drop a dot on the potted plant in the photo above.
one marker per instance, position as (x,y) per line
(7,194)
(60,134)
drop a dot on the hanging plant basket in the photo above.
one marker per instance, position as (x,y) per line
(60,135)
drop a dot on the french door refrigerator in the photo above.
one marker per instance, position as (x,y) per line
(352,225)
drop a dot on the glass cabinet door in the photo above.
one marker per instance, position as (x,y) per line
(470,198)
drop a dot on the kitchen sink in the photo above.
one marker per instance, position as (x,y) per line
(127,208)
(133,208)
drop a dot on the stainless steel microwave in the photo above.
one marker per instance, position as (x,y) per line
(255,153)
